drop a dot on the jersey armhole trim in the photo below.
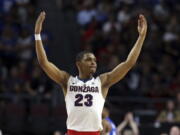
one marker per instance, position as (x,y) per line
(70,77)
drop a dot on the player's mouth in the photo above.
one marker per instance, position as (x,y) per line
(93,67)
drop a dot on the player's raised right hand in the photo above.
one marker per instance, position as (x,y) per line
(39,22)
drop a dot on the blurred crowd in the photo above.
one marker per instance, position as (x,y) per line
(109,29)
(19,71)
(130,126)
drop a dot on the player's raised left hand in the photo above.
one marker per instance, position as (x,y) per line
(142,25)
(39,22)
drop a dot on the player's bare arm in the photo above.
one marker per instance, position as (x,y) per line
(59,76)
(110,78)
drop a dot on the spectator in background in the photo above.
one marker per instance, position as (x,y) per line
(124,15)
(25,45)
(105,115)
(128,121)
(57,132)
(170,114)
(86,13)
(178,101)
(175,85)
(174,131)
(115,17)
(106,127)
(23,10)
(7,45)
(3,71)
(6,5)
(110,25)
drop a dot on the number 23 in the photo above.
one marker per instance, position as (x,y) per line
(79,98)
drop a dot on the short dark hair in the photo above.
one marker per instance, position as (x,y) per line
(80,55)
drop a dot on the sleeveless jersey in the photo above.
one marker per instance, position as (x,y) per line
(84,104)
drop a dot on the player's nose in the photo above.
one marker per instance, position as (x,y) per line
(93,63)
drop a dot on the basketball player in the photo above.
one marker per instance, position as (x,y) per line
(106,127)
(84,94)
(105,115)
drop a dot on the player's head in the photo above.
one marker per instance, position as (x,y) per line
(170,105)
(174,130)
(86,62)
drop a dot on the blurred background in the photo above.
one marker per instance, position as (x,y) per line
(32,104)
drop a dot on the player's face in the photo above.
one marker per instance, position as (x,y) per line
(174,131)
(88,63)
(170,105)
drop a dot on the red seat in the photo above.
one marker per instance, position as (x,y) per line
(39,119)
(15,118)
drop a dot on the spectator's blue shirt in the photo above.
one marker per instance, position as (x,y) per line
(5,5)
(113,126)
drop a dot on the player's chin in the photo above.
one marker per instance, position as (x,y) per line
(93,70)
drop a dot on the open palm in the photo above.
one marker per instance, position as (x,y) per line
(142,25)
(39,22)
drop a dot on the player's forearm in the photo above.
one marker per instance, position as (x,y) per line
(135,51)
(41,54)
(134,128)
(121,126)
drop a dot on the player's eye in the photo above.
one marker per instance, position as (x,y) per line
(88,59)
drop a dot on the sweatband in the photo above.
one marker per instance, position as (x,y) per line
(37,36)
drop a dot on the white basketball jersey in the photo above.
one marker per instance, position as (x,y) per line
(84,104)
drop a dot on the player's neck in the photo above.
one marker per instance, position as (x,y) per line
(83,76)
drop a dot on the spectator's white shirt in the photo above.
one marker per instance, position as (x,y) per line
(85,16)
(22,1)
(27,53)
(123,16)
(169,36)
(159,10)
(7,4)
(108,26)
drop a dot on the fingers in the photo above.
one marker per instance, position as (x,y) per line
(41,17)
(139,22)
(142,25)
(142,18)
(43,14)
(39,22)
(142,21)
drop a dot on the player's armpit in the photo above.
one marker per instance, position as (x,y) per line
(59,76)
